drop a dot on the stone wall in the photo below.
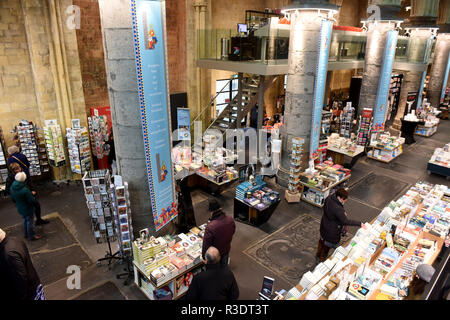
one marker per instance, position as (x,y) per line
(17,92)
(89,40)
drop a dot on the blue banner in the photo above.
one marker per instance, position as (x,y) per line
(422,85)
(184,124)
(385,81)
(149,32)
(444,84)
(319,85)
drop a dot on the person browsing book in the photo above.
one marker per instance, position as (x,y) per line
(332,225)
(216,283)
(219,232)
(16,157)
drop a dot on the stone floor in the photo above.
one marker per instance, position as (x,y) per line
(373,184)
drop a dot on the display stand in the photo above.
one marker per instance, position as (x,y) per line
(338,156)
(365,125)
(424,131)
(408,129)
(295,189)
(321,194)
(97,192)
(79,149)
(247,214)
(440,162)
(98,129)
(375,151)
(28,140)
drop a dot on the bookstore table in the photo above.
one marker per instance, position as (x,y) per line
(408,129)
(433,167)
(325,191)
(251,215)
(424,131)
(370,155)
(338,156)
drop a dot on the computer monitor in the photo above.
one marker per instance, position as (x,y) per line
(242,28)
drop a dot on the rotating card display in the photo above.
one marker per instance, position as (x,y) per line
(79,149)
(54,144)
(98,129)
(27,139)
(122,215)
(97,192)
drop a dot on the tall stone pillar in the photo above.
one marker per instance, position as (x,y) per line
(120,64)
(439,68)
(198,20)
(413,80)
(378,29)
(302,65)
(441,54)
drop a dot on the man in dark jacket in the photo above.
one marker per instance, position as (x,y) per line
(16,157)
(25,204)
(216,283)
(333,220)
(14,169)
(19,280)
(219,232)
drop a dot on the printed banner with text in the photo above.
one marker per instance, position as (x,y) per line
(379,116)
(149,32)
(319,86)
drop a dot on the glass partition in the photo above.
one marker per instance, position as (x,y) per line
(348,46)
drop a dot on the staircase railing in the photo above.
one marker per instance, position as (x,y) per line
(210,103)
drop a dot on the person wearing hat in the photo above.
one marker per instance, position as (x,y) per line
(16,157)
(18,277)
(219,232)
(14,169)
(424,274)
(25,204)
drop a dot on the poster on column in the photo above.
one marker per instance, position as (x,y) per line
(151,66)
(444,86)
(385,81)
(319,85)
(422,86)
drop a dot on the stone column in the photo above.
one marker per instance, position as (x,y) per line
(376,44)
(55,65)
(303,59)
(120,64)
(412,80)
(441,56)
(198,20)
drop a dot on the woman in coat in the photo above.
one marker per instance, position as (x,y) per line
(25,204)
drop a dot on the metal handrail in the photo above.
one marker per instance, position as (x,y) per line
(211,102)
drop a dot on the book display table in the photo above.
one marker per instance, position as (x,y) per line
(165,266)
(380,261)
(317,187)
(385,148)
(440,162)
(339,155)
(425,131)
(248,214)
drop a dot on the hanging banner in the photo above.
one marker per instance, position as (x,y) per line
(422,86)
(319,86)
(184,124)
(444,85)
(149,30)
(385,81)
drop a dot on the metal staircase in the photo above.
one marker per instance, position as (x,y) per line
(233,116)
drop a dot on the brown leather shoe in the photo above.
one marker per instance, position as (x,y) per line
(36,238)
